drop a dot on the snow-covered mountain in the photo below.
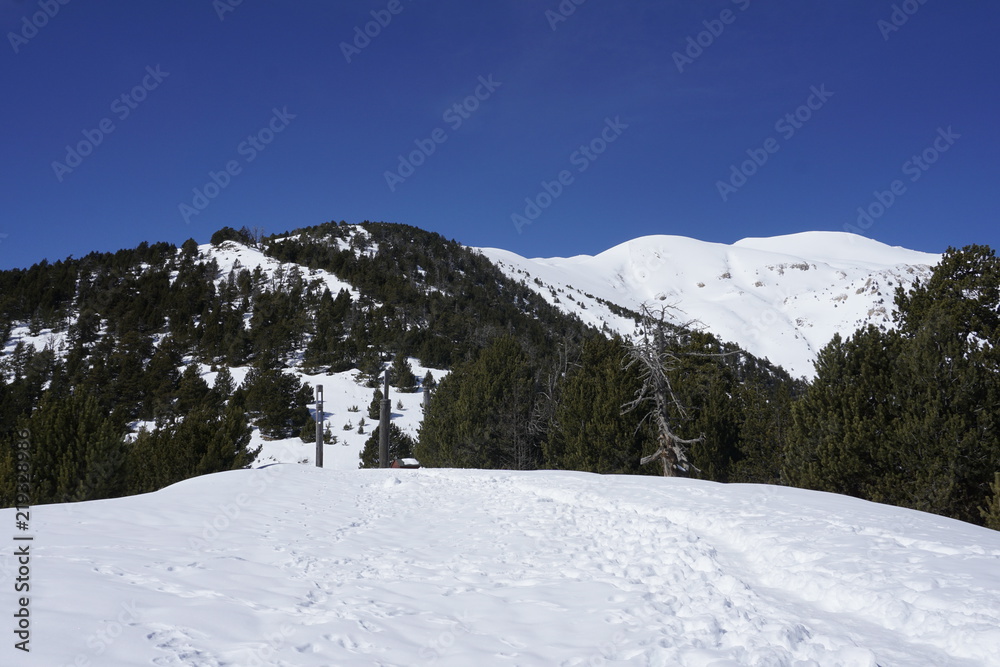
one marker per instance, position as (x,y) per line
(780,298)
(346,396)
(293,565)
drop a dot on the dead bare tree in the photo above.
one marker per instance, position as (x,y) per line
(653,353)
(257,233)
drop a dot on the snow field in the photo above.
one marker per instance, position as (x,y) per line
(232,256)
(293,565)
(342,392)
(780,298)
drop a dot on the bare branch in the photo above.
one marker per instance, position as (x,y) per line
(652,354)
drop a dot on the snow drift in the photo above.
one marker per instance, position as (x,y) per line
(292,565)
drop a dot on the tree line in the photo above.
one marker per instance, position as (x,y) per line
(118,405)
(911,416)
(906,416)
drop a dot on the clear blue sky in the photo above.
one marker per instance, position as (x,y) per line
(211,75)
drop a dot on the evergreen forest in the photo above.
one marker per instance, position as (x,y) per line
(907,415)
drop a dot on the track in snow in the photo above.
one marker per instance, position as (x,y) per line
(313,567)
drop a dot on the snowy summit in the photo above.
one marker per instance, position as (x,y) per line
(780,298)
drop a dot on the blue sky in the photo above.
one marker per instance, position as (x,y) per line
(578,126)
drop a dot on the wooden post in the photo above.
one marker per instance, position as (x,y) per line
(383,427)
(319,426)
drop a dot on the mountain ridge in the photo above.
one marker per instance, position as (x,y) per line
(756,292)
(149,333)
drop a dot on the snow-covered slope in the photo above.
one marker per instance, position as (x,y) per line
(346,398)
(296,566)
(782,298)
(232,256)
(345,407)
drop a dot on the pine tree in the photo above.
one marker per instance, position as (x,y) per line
(324,350)
(227,438)
(428,382)
(910,417)
(400,447)
(401,374)
(842,438)
(949,384)
(127,365)
(308,432)
(704,375)
(591,433)
(372,368)
(482,413)
(10,466)
(224,384)
(161,381)
(77,452)
(192,391)
(207,441)
(764,427)
(991,512)
(278,402)
(375,407)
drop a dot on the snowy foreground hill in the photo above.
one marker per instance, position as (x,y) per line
(781,298)
(295,566)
